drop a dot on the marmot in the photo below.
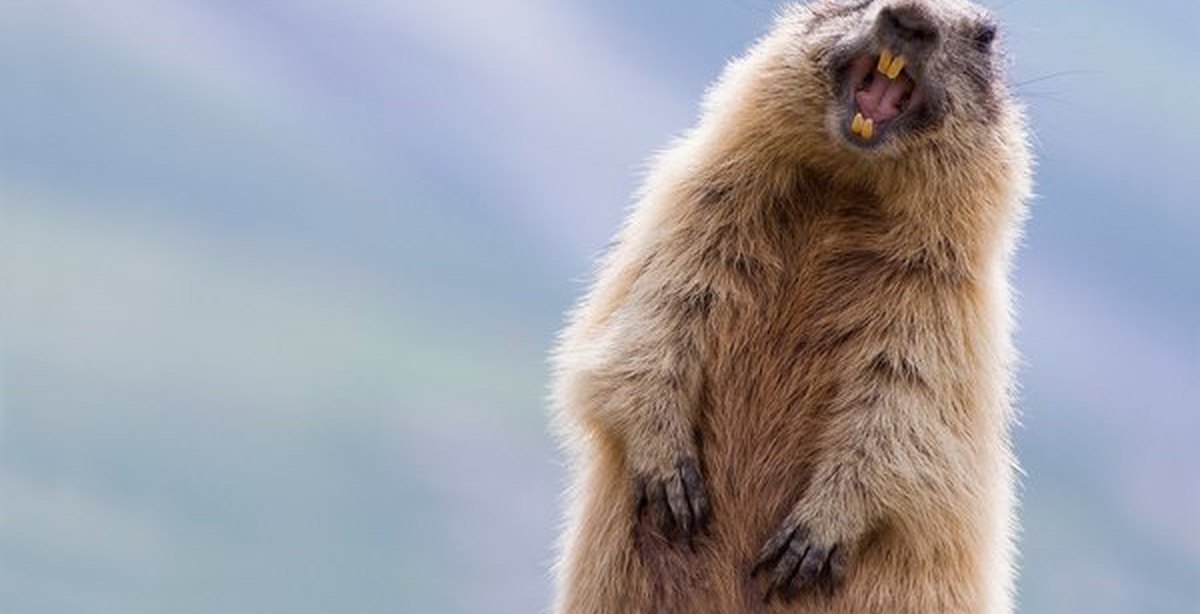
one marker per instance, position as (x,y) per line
(789,389)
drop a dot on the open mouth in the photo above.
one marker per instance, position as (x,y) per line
(882,95)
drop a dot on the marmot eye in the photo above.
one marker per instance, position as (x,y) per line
(985,33)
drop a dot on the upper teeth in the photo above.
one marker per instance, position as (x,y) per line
(890,65)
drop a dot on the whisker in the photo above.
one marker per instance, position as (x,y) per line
(1049,96)
(1055,75)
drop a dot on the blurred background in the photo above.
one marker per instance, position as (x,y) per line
(277,281)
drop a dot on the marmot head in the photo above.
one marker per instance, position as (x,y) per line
(895,76)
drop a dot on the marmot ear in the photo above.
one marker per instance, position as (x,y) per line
(985,34)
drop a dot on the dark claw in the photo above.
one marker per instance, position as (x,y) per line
(662,510)
(678,504)
(814,562)
(793,554)
(681,511)
(836,571)
(774,547)
(697,494)
(800,564)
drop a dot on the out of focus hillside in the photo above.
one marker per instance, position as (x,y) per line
(277,280)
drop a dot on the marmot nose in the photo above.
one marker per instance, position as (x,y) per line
(907,25)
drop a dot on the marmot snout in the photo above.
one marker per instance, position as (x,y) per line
(896,72)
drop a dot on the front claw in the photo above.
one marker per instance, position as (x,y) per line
(799,561)
(676,501)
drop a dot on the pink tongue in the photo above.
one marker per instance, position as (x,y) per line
(879,101)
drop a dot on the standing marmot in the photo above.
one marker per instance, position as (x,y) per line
(788,390)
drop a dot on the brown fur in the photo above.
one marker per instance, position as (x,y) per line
(826,329)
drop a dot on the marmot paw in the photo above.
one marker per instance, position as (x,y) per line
(676,501)
(800,562)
